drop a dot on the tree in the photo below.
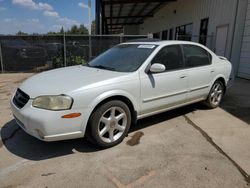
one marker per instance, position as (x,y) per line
(52,33)
(93,28)
(83,29)
(78,30)
(73,30)
(61,31)
(20,33)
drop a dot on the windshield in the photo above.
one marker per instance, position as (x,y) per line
(123,58)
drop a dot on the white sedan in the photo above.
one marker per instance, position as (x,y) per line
(128,82)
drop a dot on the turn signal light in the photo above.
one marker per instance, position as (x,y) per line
(73,115)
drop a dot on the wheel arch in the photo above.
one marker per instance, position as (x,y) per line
(109,96)
(122,98)
(222,79)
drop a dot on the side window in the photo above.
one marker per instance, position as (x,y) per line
(164,35)
(196,56)
(170,34)
(203,31)
(171,57)
(156,35)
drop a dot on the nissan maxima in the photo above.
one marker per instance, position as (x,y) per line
(130,81)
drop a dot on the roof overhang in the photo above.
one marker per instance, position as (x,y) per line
(113,15)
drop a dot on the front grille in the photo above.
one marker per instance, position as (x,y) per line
(20,98)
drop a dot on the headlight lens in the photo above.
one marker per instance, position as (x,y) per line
(60,102)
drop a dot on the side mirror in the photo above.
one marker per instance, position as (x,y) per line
(157,68)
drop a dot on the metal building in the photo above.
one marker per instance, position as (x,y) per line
(222,25)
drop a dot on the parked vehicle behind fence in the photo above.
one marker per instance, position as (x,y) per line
(130,81)
(19,55)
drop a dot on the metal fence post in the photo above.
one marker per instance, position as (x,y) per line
(1,58)
(64,50)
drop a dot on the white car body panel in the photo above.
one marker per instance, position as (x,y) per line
(149,93)
(158,92)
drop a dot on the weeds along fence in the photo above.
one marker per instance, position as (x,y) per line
(35,53)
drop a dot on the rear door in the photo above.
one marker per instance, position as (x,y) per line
(198,62)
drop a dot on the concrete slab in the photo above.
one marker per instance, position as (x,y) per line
(165,150)
(231,134)
(237,102)
(171,153)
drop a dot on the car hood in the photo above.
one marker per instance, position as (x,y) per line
(67,80)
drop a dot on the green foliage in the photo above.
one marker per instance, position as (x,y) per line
(20,33)
(73,30)
(52,33)
(78,30)
(61,31)
(93,28)
(77,60)
(57,61)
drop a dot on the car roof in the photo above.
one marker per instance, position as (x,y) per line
(162,42)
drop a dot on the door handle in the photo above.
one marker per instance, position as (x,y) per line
(183,76)
(212,71)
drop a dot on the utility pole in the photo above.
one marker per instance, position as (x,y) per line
(1,57)
(64,49)
(90,45)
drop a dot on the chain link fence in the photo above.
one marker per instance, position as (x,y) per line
(35,53)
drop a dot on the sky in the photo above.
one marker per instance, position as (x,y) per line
(42,16)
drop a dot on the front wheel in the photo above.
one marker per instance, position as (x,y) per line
(109,124)
(215,95)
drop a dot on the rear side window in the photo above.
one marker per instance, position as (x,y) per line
(171,57)
(196,56)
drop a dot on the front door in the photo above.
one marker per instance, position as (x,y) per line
(163,90)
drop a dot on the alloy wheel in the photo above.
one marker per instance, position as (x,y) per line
(216,94)
(112,124)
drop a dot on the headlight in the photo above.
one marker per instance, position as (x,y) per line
(60,102)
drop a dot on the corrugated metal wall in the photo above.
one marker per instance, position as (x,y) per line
(220,12)
(244,67)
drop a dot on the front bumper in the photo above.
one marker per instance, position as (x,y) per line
(48,125)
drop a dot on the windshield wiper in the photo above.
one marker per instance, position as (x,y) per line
(102,67)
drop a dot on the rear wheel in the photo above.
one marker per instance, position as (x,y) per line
(216,94)
(109,124)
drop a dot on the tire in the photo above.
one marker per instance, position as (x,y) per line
(215,95)
(109,124)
